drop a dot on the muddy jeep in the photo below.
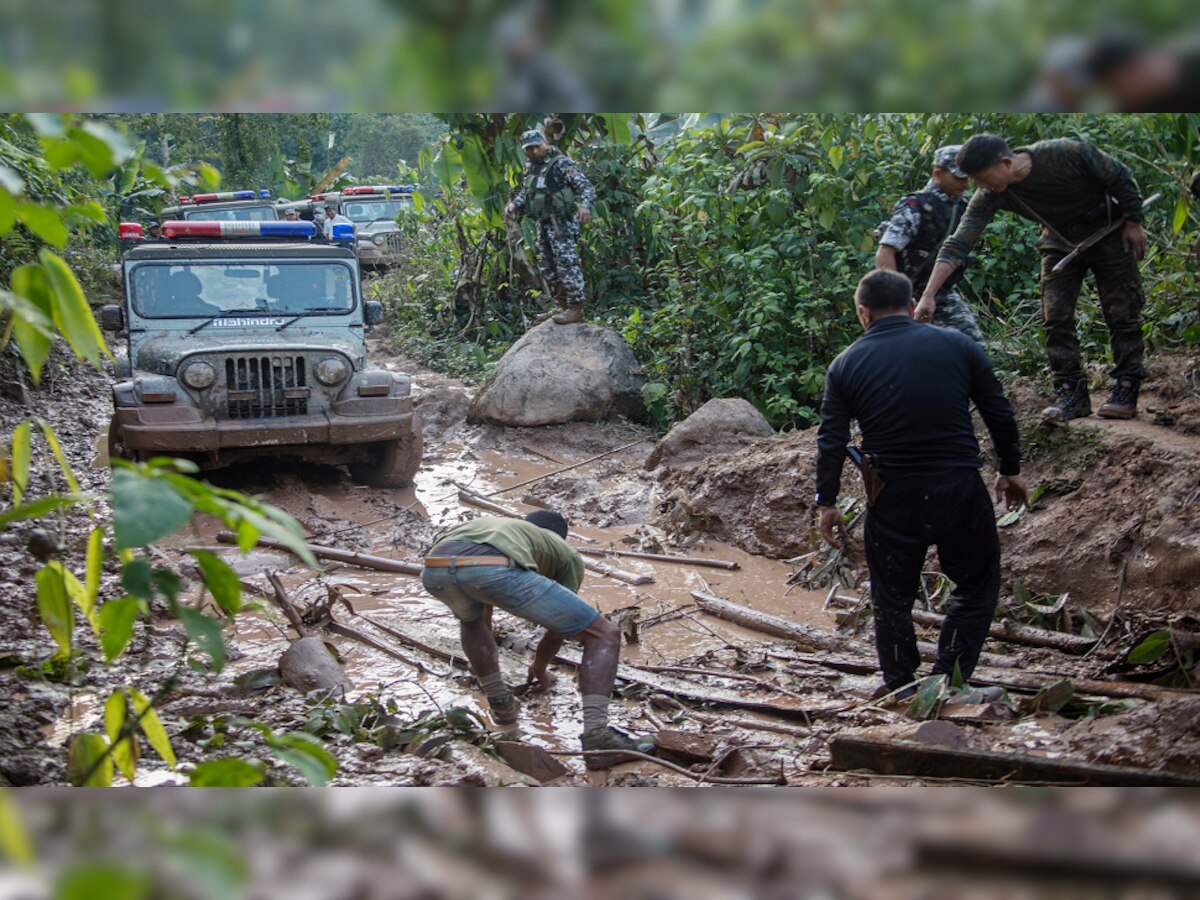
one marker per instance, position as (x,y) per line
(254,347)
(226,206)
(373,210)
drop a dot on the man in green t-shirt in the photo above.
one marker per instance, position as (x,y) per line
(527,568)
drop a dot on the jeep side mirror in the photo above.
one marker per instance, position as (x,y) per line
(372,312)
(112,317)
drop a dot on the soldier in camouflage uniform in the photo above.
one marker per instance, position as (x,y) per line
(559,198)
(1072,189)
(916,229)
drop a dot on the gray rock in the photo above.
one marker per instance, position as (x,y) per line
(718,426)
(562,373)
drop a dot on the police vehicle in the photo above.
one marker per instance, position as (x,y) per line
(226,206)
(373,209)
(245,339)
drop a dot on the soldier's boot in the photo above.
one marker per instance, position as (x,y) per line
(1073,403)
(506,710)
(573,315)
(560,301)
(1123,402)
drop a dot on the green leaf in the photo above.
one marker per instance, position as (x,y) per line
(616,126)
(35,509)
(8,206)
(1021,593)
(72,314)
(137,577)
(225,773)
(56,449)
(145,509)
(102,880)
(75,591)
(221,580)
(1010,518)
(1151,649)
(19,468)
(836,155)
(152,727)
(305,752)
(1182,205)
(14,839)
(205,631)
(116,625)
(32,305)
(1037,493)
(84,756)
(91,578)
(54,607)
(929,693)
(43,221)
(213,867)
(125,749)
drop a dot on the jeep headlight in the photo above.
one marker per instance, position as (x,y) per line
(331,371)
(380,240)
(198,375)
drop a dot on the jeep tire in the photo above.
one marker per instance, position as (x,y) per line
(392,464)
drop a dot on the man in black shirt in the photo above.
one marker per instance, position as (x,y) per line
(910,386)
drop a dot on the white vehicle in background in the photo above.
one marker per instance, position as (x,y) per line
(373,209)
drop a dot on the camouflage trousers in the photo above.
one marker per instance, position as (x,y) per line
(953,312)
(1119,289)
(558,256)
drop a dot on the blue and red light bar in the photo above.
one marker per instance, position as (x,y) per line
(226,195)
(202,229)
(378,189)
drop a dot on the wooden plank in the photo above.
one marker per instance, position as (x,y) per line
(894,757)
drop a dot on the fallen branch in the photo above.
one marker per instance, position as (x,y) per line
(714,779)
(660,557)
(619,574)
(366,561)
(728,721)
(717,673)
(1007,630)
(474,498)
(529,448)
(355,635)
(513,487)
(285,604)
(905,758)
(807,636)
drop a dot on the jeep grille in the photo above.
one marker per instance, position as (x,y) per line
(392,242)
(266,386)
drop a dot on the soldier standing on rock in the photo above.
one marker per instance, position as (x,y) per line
(559,198)
(1072,189)
(918,225)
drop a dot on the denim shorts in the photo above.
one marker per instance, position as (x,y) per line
(515,590)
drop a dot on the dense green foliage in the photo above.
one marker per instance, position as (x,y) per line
(727,251)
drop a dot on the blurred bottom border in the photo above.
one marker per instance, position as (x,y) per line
(427,843)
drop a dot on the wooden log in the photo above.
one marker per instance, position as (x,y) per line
(436,652)
(619,574)
(1007,630)
(787,706)
(285,604)
(474,498)
(307,665)
(661,557)
(355,635)
(892,757)
(365,560)
(808,637)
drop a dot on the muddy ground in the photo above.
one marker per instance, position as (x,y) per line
(1115,529)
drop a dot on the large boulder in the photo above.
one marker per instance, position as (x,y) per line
(562,373)
(719,426)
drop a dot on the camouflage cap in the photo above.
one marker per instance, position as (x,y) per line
(947,158)
(532,138)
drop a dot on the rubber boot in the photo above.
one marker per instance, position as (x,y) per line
(1123,402)
(1073,403)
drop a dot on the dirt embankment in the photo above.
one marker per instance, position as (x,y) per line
(1118,521)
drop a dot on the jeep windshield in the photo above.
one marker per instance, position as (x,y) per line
(234,288)
(232,214)
(359,211)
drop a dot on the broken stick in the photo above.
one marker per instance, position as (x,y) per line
(662,557)
(513,487)
(365,560)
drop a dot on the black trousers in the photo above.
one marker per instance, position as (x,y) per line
(953,512)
